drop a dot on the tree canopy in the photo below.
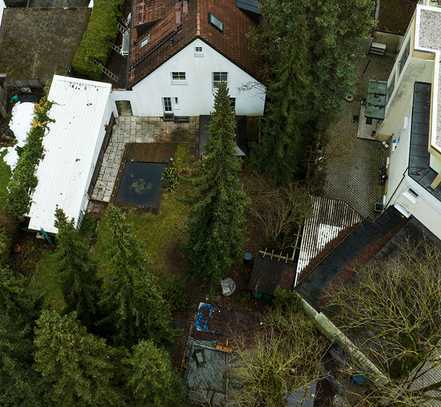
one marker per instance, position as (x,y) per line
(151,378)
(79,368)
(131,296)
(74,265)
(217,220)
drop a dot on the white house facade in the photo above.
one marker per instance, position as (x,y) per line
(185,85)
(412,123)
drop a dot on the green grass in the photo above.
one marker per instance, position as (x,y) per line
(45,283)
(162,233)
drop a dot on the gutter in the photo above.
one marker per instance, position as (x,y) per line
(333,334)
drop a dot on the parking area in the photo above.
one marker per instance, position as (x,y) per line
(353,165)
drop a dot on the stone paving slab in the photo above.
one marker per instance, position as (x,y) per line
(352,164)
(132,129)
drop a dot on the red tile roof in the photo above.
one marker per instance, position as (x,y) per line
(171,25)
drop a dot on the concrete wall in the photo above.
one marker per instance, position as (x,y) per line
(195,95)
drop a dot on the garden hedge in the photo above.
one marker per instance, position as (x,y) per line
(98,39)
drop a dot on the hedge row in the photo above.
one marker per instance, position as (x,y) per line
(23,179)
(98,38)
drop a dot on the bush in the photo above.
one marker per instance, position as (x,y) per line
(98,38)
(170,178)
(23,180)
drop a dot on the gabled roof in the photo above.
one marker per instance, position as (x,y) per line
(171,25)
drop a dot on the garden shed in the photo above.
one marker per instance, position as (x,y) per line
(81,111)
(270,271)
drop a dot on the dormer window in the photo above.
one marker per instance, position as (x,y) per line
(215,22)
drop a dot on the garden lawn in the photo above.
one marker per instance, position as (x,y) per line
(45,283)
(162,234)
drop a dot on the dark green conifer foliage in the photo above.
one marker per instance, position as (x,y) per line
(79,368)
(151,379)
(78,272)
(217,219)
(131,296)
(20,384)
(310,49)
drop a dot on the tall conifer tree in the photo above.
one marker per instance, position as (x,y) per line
(131,296)
(78,272)
(217,220)
(80,369)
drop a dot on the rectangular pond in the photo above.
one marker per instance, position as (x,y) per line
(140,185)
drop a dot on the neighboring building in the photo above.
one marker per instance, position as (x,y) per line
(408,109)
(82,111)
(181,50)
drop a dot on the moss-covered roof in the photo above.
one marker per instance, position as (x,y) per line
(36,43)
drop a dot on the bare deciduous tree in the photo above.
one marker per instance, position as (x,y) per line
(286,357)
(278,211)
(393,312)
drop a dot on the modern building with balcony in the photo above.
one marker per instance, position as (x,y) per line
(406,114)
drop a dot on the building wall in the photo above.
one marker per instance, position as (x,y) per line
(110,108)
(424,207)
(398,121)
(195,95)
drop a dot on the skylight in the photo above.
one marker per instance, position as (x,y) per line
(215,22)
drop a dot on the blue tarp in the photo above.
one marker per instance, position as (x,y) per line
(204,314)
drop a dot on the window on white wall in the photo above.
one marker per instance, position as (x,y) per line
(404,57)
(198,51)
(218,78)
(167,103)
(178,76)
(233,104)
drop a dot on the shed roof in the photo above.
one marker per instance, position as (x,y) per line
(172,25)
(271,273)
(328,219)
(71,146)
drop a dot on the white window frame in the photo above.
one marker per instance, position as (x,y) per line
(165,104)
(178,78)
(216,82)
(198,51)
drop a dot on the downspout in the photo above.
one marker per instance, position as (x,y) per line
(328,329)
(396,189)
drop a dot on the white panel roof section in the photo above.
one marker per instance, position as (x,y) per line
(70,149)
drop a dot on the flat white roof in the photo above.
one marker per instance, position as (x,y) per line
(428,39)
(71,146)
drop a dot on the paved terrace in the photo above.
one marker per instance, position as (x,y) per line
(352,164)
(133,129)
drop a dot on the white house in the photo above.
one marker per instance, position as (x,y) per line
(72,144)
(412,122)
(181,50)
